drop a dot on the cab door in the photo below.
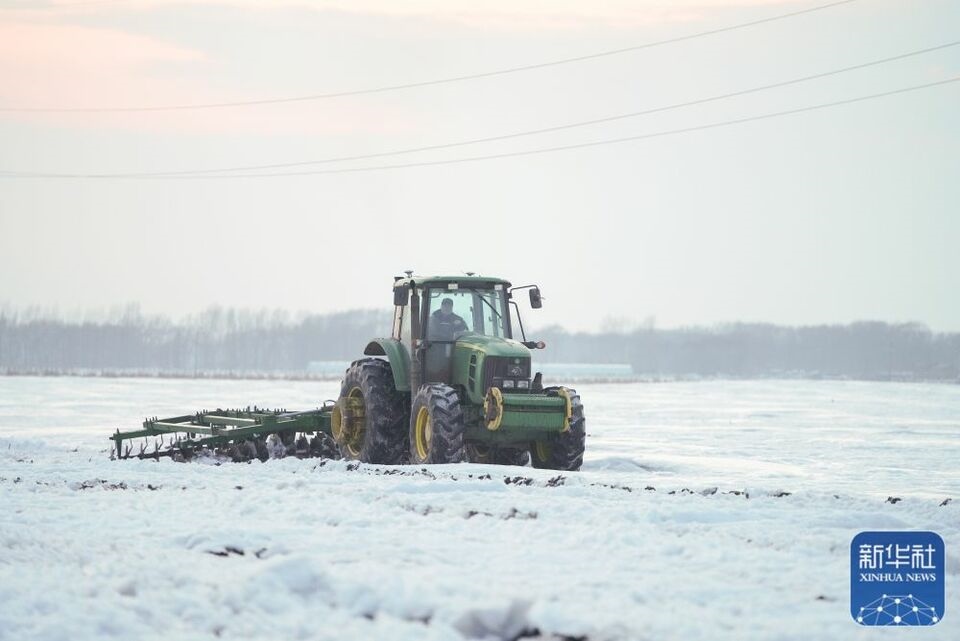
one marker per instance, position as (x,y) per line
(437,354)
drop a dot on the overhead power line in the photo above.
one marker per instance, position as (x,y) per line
(428,83)
(530,132)
(512,154)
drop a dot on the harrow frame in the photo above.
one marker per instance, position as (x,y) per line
(204,429)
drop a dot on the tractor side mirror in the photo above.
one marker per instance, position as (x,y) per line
(401,295)
(535,300)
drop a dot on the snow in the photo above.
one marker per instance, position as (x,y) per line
(706,510)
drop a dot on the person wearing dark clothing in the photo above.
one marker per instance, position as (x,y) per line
(444,323)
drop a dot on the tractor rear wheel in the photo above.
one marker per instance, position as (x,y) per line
(436,426)
(369,419)
(477,453)
(563,451)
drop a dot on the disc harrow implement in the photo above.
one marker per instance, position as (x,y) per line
(236,435)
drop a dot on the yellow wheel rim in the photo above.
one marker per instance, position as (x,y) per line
(349,421)
(542,451)
(493,408)
(423,433)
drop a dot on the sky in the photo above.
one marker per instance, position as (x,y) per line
(827,216)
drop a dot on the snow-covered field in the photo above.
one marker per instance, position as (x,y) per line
(709,510)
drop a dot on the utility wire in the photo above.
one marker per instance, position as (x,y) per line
(428,83)
(512,154)
(530,132)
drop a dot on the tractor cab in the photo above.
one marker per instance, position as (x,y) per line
(446,322)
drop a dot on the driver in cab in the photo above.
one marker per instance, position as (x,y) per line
(444,323)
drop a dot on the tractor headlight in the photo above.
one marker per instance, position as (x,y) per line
(508,383)
(524,384)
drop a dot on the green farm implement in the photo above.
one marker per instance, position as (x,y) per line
(239,435)
(450,384)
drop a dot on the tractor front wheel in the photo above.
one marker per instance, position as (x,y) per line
(436,426)
(563,451)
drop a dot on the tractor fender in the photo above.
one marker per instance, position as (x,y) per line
(398,357)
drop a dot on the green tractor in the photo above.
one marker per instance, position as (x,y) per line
(452,384)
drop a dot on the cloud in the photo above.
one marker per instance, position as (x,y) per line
(51,65)
(507,15)
(48,59)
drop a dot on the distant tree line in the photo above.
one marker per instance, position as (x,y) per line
(230,340)
(863,350)
(216,340)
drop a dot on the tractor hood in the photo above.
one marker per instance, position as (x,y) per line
(494,346)
(480,362)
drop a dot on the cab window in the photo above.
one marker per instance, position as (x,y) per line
(452,313)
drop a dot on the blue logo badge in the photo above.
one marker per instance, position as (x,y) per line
(896,578)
